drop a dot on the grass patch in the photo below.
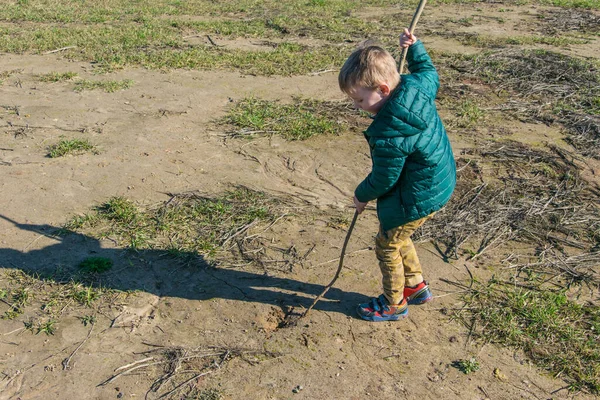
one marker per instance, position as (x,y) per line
(119,34)
(88,320)
(57,76)
(35,326)
(186,224)
(7,74)
(468,114)
(555,332)
(154,35)
(71,147)
(299,120)
(96,264)
(204,394)
(43,301)
(161,48)
(109,86)
(19,298)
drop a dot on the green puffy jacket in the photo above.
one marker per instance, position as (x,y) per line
(414,173)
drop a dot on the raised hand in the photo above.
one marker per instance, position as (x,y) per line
(407,38)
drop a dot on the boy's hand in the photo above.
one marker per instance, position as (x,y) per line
(407,38)
(360,206)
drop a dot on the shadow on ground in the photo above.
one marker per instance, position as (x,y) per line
(154,271)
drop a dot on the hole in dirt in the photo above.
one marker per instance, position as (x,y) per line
(291,317)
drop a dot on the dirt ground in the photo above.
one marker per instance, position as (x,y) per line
(160,137)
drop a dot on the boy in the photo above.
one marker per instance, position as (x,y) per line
(413,173)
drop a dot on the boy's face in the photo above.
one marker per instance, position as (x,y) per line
(370,100)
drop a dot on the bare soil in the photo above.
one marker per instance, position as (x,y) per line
(160,137)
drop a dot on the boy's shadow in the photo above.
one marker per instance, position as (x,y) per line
(156,272)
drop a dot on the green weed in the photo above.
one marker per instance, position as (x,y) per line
(88,319)
(12,313)
(57,76)
(467,366)
(84,295)
(96,264)
(71,147)
(35,326)
(78,222)
(21,297)
(48,327)
(468,113)
(108,86)
(338,222)
(204,394)
(119,209)
(54,295)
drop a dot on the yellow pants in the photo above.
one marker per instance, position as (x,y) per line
(398,259)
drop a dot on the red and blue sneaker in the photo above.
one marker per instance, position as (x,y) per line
(378,309)
(418,295)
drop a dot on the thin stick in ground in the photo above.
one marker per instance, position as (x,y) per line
(341,264)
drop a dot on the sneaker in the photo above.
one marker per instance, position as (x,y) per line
(418,295)
(378,310)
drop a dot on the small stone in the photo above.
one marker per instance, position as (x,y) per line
(500,375)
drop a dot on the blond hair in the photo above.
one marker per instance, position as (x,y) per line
(368,66)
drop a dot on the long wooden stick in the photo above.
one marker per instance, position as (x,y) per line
(337,274)
(411,29)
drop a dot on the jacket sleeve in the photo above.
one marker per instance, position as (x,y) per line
(422,68)
(388,161)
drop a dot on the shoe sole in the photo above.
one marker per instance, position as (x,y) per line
(375,318)
(421,297)
(418,302)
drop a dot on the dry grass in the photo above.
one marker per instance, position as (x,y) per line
(555,332)
(545,87)
(182,366)
(558,21)
(299,120)
(528,215)
(534,197)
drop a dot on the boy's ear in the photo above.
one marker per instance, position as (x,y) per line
(385,89)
